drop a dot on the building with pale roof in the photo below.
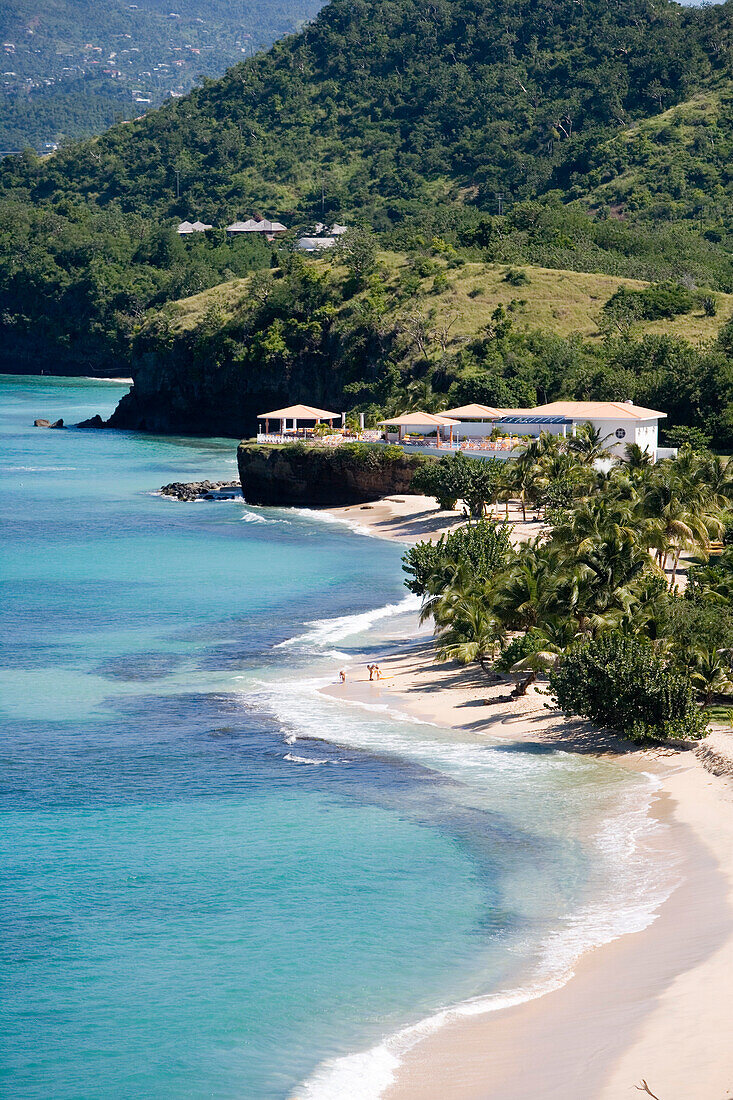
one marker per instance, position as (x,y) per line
(186,228)
(257,225)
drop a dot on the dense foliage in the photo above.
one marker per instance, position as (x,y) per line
(604,569)
(621,682)
(480,549)
(456,477)
(75,67)
(459,130)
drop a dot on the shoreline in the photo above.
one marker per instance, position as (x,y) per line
(649,1005)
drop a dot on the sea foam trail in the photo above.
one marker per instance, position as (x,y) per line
(641,890)
(324,632)
(342,521)
(639,884)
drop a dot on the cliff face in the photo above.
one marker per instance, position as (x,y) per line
(299,475)
(172,396)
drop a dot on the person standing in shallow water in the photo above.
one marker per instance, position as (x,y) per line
(342,675)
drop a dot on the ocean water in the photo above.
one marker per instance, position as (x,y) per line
(216,881)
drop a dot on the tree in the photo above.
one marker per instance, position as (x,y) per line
(619,681)
(358,250)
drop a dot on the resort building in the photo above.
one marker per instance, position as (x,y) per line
(185,228)
(484,428)
(294,422)
(322,238)
(257,225)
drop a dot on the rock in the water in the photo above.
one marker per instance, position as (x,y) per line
(41,423)
(93,422)
(202,490)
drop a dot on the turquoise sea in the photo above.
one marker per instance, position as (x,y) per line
(217,882)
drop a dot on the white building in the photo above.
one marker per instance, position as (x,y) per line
(619,423)
(314,244)
(185,228)
(257,225)
(322,239)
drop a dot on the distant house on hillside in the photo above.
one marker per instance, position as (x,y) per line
(192,227)
(257,225)
(322,239)
(314,244)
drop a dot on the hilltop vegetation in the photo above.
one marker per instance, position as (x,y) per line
(462,134)
(75,67)
(388,105)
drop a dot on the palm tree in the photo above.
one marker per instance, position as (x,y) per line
(588,443)
(526,594)
(522,478)
(466,629)
(636,458)
(710,672)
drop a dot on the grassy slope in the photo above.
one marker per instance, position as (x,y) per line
(655,147)
(562,302)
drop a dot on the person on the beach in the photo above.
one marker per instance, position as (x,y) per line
(342,675)
(371,671)
(377,672)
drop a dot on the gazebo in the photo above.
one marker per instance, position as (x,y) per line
(296,413)
(422,420)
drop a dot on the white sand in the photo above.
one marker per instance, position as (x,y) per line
(655,1006)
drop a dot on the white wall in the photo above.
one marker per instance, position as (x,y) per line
(641,432)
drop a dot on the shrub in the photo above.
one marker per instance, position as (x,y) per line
(457,477)
(662,300)
(480,551)
(516,276)
(524,645)
(619,681)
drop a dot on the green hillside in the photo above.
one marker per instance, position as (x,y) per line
(384,105)
(428,330)
(72,68)
(459,135)
(564,303)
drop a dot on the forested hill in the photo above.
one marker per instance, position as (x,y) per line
(496,127)
(386,104)
(74,67)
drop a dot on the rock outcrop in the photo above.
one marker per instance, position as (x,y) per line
(188,491)
(296,474)
(41,423)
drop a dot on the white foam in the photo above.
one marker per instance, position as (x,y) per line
(35,469)
(342,521)
(366,1075)
(306,759)
(631,884)
(255,517)
(323,632)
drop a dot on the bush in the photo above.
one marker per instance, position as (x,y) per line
(480,551)
(457,477)
(524,645)
(654,303)
(620,681)
(516,276)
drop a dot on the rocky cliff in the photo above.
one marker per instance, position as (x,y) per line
(298,475)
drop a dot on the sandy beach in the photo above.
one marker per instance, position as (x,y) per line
(653,1006)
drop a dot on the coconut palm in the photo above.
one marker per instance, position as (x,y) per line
(527,592)
(636,459)
(588,444)
(710,672)
(466,629)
